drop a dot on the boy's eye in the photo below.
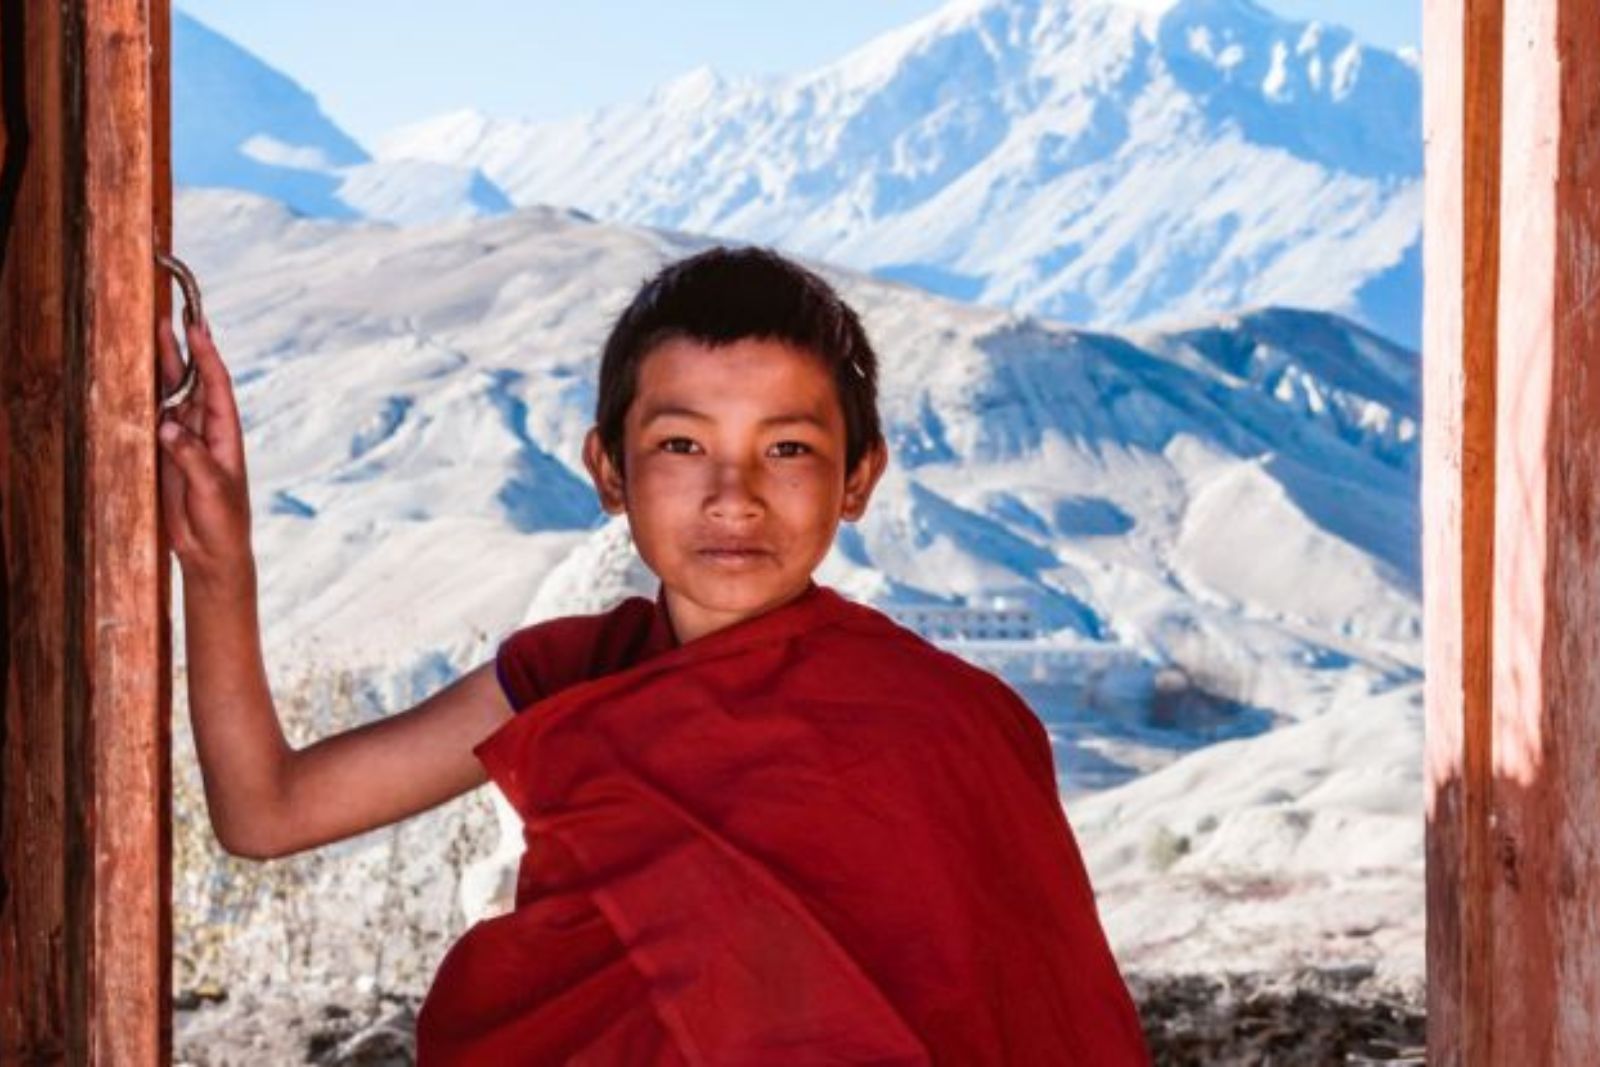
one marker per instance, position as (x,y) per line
(666,444)
(796,444)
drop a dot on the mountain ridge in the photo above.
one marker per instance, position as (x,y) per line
(1107,163)
(240,123)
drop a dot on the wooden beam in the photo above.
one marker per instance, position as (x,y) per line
(33,309)
(84,922)
(1546,654)
(1461,114)
(1512,518)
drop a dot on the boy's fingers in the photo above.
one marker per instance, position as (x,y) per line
(203,350)
(220,427)
(200,472)
(189,411)
(215,519)
(192,412)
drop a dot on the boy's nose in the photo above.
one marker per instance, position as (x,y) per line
(735,491)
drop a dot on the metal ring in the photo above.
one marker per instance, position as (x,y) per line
(191,313)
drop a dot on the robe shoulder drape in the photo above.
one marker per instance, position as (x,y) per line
(808,838)
(540,660)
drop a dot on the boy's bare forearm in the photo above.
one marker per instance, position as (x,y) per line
(240,743)
(268,799)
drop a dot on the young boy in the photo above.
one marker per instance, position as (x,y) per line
(765,824)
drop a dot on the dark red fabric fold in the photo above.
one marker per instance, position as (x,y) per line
(808,838)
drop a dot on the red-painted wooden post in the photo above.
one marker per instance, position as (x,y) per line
(1512,519)
(84,835)
(1545,817)
(1461,108)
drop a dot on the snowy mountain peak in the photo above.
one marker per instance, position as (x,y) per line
(449,135)
(1108,162)
(1310,88)
(241,124)
(695,89)
(238,122)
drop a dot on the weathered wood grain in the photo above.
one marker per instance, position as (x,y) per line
(1546,646)
(33,922)
(1462,126)
(84,916)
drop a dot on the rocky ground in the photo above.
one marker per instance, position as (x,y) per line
(1312,1017)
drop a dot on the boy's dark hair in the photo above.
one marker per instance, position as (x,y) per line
(724,295)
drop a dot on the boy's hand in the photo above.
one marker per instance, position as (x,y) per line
(205,497)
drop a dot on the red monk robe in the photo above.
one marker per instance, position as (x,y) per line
(810,837)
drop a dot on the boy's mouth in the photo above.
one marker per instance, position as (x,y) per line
(732,552)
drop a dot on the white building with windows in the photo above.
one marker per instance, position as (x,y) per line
(996,618)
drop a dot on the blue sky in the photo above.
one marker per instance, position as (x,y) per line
(375,64)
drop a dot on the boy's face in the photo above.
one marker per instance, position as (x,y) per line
(736,481)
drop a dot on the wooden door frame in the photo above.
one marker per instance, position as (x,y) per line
(1511,514)
(85,850)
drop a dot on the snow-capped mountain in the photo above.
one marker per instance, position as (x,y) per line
(238,123)
(1215,528)
(1108,162)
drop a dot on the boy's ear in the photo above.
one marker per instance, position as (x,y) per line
(607,479)
(859,484)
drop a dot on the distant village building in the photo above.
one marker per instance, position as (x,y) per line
(998,618)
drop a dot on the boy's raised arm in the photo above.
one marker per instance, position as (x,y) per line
(266,798)
(243,753)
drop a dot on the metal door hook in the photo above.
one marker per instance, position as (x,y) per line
(191,314)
